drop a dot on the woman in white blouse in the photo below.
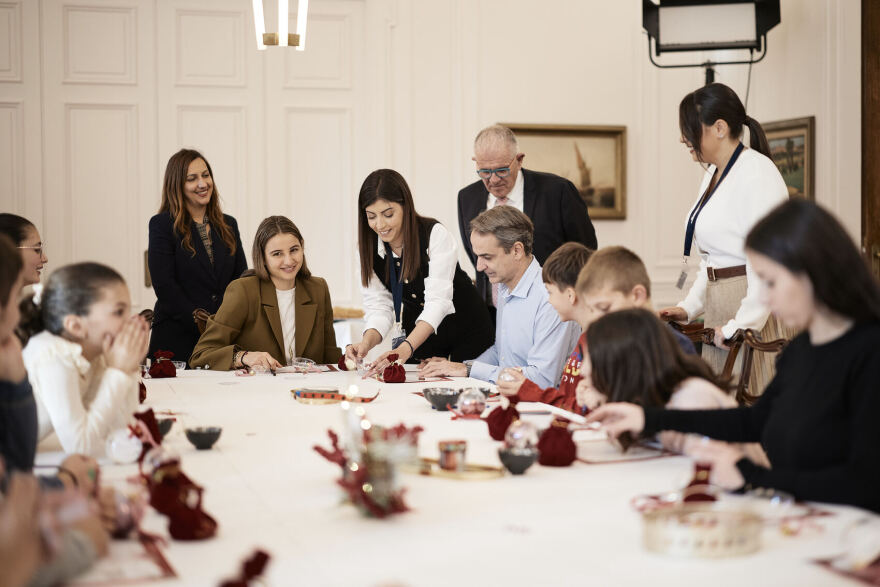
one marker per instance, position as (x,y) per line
(422,299)
(741,185)
(82,356)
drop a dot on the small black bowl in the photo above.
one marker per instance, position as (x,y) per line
(203,438)
(164,426)
(517,460)
(441,397)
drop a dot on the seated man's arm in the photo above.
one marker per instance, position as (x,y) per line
(552,343)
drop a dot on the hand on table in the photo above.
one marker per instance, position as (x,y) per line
(260,359)
(441,368)
(618,418)
(357,351)
(723,457)
(511,388)
(403,355)
(84,470)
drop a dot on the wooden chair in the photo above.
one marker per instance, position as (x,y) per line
(748,341)
(200,316)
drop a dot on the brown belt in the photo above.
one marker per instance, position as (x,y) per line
(718,273)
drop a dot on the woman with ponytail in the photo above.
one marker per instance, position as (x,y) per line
(741,185)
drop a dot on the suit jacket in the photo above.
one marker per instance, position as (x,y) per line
(249,319)
(184,282)
(552,202)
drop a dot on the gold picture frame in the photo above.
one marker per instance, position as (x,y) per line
(592,157)
(793,150)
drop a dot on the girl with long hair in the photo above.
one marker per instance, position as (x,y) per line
(26,238)
(194,253)
(275,313)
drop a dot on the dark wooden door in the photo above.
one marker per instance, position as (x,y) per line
(870,135)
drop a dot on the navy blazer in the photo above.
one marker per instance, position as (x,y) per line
(184,282)
(552,202)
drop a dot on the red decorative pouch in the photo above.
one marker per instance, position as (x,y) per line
(394,373)
(556,446)
(341,364)
(163,367)
(500,419)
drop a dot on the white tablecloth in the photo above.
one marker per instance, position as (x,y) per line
(553,526)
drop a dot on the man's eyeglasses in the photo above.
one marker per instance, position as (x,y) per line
(500,172)
(38,249)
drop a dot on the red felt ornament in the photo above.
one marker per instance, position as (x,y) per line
(698,488)
(163,367)
(556,446)
(394,373)
(147,431)
(500,419)
(341,364)
(175,495)
(142,392)
(250,569)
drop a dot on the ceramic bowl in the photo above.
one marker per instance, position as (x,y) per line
(517,460)
(441,397)
(164,425)
(203,438)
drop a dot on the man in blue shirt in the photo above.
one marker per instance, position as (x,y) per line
(528,332)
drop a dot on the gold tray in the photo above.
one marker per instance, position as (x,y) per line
(702,531)
(431,468)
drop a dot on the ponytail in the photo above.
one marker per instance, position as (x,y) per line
(757,138)
(71,290)
(31,321)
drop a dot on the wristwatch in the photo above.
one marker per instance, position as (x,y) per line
(468,365)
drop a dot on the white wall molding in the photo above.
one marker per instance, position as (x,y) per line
(12,151)
(10,41)
(209,48)
(99,44)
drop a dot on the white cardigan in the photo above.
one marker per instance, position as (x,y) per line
(82,402)
(752,188)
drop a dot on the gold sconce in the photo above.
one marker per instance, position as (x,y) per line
(282,38)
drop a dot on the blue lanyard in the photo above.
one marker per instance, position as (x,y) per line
(396,284)
(695,213)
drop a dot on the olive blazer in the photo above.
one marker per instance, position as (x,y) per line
(249,320)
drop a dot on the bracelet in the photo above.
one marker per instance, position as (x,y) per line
(241,358)
(68,472)
(412,349)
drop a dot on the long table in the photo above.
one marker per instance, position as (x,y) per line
(267,488)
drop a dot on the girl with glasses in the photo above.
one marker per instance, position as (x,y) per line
(27,239)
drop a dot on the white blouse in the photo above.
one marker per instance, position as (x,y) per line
(442,260)
(82,402)
(752,188)
(287,312)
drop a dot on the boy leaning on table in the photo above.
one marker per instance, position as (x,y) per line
(582,288)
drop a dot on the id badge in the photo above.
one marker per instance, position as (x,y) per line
(398,336)
(683,276)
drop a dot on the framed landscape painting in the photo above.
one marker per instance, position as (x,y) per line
(593,158)
(792,149)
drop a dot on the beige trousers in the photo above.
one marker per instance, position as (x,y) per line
(723,298)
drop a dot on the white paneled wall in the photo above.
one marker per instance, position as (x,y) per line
(95,95)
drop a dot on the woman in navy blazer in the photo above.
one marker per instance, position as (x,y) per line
(194,253)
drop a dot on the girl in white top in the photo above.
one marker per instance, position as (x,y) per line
(634,357)
(741,185)
(83,354)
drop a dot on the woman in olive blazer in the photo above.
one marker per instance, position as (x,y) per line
(278,313)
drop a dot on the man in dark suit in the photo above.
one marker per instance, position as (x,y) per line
(552,202)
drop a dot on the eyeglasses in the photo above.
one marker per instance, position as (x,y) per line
(38,249)
(500,172)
